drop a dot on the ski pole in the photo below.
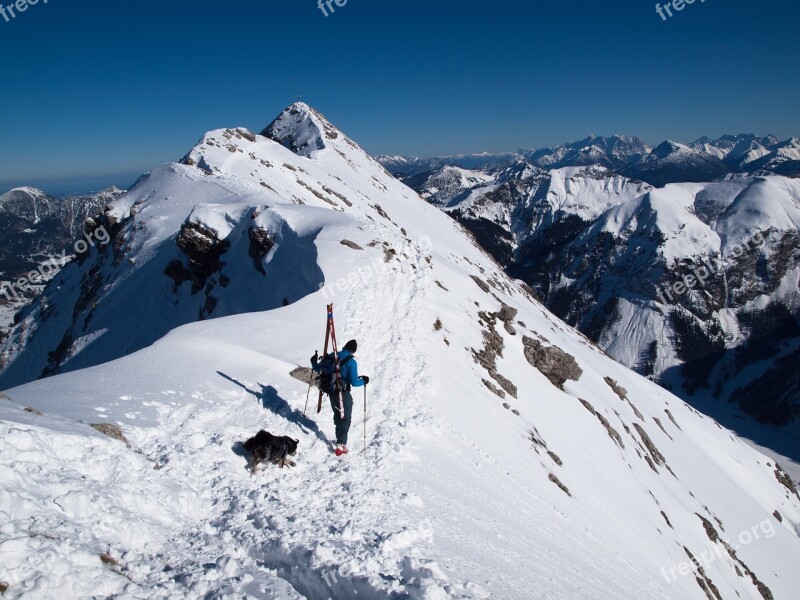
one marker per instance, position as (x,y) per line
(308,395)
(365,417)
(310,381)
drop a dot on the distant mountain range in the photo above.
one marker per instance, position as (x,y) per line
(591,227)
(670,162)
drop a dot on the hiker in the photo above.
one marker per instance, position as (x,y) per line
(348,369)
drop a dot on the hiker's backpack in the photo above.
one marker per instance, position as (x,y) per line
(327,374)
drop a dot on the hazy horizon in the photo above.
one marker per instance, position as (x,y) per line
(60,186)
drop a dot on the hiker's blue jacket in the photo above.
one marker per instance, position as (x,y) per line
(349,369)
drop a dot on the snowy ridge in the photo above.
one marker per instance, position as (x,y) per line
(482,477)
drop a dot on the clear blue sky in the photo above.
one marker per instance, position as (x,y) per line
(97,89)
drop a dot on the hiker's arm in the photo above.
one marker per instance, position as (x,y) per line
(352,374)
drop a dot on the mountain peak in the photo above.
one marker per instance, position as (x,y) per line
(668,147)
(29,191)
(302,129)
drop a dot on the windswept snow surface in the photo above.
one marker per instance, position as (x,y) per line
(575,493)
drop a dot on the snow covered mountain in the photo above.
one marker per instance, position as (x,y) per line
(736,147)
(615,151)
(749,153)
(671,162)
(507,456)
(38,228)
(439,187)
(695,285)
(522,202)
(784,158)
(600,252)
(612,152)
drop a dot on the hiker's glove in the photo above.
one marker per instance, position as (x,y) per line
(365,379)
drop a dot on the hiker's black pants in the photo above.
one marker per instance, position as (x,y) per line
(342,424)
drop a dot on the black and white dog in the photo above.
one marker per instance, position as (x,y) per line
(266,447)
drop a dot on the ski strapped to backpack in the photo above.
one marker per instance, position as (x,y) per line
(327,380)
(333,387)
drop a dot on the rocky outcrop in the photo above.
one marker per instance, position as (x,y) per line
(612,433)
(261,242)
(618,389)
(304,375)
(487,356)
(785,480)
(351,244)
(658,458)
(552,362)
(111,430)
(203,250)
(554,478)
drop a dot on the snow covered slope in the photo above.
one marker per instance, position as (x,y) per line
(507,457)
(213,247)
